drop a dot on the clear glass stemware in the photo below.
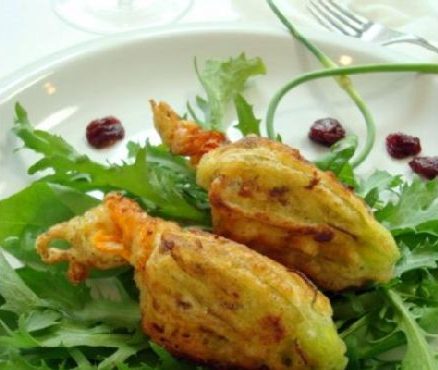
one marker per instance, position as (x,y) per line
(112,16)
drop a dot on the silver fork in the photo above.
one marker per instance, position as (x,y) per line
(340,19)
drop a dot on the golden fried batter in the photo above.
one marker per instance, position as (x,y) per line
(184,137)
(202,296)
(265,195)
(94,228)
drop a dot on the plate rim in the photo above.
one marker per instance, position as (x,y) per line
(27,75)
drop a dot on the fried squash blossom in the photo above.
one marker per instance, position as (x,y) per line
(202,296)
(265,195)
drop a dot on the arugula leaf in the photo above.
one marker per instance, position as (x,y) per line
(167,362)
(337,161)
(175,167)
(419,354)
(118,310)
(141,366)
(415,211)
(19,298)
(52,286)
(42,141)
(380,184)
(401,312)
(74,334)
(222,81)
(80,359)
(40,319)
(247,121)
(384,324)
(73,319)
(422,256)
(38,206)
(161,155)
(18,363)
(51,323)
(34,209)
(428,320)
(122,354)
(202,104)
(155,186)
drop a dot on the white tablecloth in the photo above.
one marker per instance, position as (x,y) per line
(30,30)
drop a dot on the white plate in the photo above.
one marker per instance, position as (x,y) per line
(119,75)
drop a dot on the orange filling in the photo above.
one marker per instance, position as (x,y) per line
(111,244)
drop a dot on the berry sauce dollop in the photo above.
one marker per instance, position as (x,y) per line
(326,131)
(425,166)
(104,132)
(401,146)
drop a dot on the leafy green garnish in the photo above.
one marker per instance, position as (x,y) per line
(47,323)
(338,160)
(32,210)
(419,354)
(43,314)
(157,186)
(378,188)
(222,81)
(55,323)
(178,168)
(41,310)
(389,316)
(247,122)
(17,295)
(38,206)
(415,211)
(422,256)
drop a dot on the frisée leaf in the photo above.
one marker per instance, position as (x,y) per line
(162,191)
(39,206)
(379,185)
(17,295)
(33,210)
(419,354)
(337,160)
(415,210)
(247,121)
(222,81)
(422,256)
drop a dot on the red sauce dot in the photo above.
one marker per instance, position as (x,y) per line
(400,145)
(425,166)
(104,132)
(326,131)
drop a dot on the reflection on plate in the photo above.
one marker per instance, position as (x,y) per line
(119,75)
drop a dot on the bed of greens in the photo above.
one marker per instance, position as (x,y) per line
(47,323)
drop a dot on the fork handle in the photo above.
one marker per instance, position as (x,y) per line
(412,40)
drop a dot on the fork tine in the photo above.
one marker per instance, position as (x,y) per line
(321,20)
(340,16)
(334,22)
(361,21)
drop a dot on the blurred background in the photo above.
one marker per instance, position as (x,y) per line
(31,30)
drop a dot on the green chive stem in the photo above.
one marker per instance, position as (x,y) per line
(343,81)
(431,68)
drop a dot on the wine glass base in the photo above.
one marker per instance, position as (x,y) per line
(114,16)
